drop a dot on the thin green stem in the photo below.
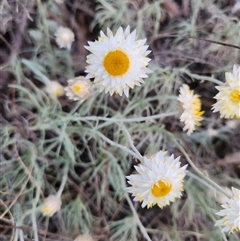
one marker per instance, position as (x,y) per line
(194,167)
(64,180)
(33,215)
(142,228)
(28,212)
(16,235)
(140,157)
(112,143)
(21,235)
(199,77)
(78,104)
(123,120)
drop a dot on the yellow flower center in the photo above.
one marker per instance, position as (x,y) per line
(234,228)
(235,96)
(46,210)
(58,92)
(116,63)
(196,110)
(161,188)
(76,88)
(65,37)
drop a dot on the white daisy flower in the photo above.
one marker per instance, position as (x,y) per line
(51,205)
(230,213)
(159,180)
(79,88)
(191,109)
(53,88)
(64,37)
(228,97)
(117,61)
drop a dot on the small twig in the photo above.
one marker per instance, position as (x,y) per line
(28,171)
(46,229)
(56,236)
(217,42)
(6,42)
(17,42)
(12,219)
(188,37)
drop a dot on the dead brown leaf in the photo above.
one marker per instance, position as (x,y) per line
(233,158)
(172,9)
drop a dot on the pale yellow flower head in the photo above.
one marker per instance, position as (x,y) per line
(59,1)
(79,88)
(53,88)
(117,62)
(51,205)
(228,97)
(84,237)
(159,180)
(230,213)
(64,37)
(191,114)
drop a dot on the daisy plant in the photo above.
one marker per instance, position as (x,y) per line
(117,62)
(79,88)
(51,205)
(66,164)
(159,180)
(230,213)
(54,88)
(191,114)
(228,97)
(64,37)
